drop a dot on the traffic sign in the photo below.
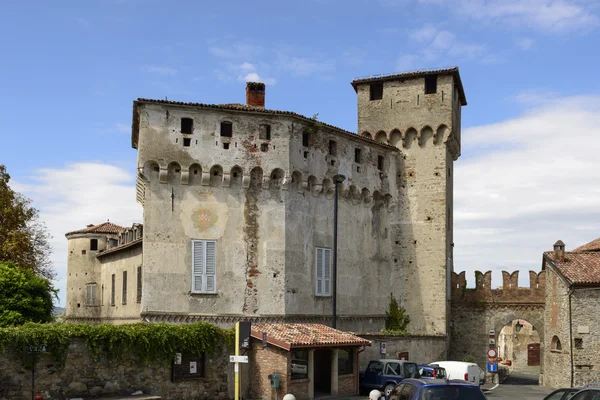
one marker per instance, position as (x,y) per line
(238,359)
(492,367)
(491,353)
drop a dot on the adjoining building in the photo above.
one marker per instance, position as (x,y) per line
(572,323)
(238,213)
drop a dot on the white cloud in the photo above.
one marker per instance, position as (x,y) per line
(123,128)
(245,72)
(525,43)
(160,70)
(424,34)
(529,181)
(237,51)
(304,66)
(79,194)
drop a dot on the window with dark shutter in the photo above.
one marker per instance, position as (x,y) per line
(187,125)
(380,163)
(139,284)
(124,288)
(305,139)
(332,148)
(112,290)
(357,156)
(93,244)
(376,91)
(226,129)
(430,84)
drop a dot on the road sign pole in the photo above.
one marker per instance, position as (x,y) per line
(236,365)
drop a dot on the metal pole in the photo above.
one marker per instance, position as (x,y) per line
(336,180)
(33,377)
(236,365)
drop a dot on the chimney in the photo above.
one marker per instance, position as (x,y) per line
(255,94)
(559,251)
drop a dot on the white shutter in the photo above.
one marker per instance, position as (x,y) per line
(211,266)
(197,265)
(94,295)
(326,272)
(319,267)
(88,295)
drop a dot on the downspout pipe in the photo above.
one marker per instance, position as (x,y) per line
(571,290)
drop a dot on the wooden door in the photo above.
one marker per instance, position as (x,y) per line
(533,354)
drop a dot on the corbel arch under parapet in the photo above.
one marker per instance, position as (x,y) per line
(276,179)
(256,178)
(366,196)
(395,138)
(311,183)
(409,138)
(296,180)
(151,170)
(216,175)
(195,175)
(441,135)
(381,137)
(425,135)
(366,134)
(328,188)
(174,173)
(236,176)
(352,192)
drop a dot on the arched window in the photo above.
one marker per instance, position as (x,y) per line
(555,345)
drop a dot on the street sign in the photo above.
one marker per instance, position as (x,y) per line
(491,353)
(492,366)
(492,341)
(238,359)
(383,347)
(492,332)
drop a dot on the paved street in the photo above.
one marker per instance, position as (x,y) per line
(522,384)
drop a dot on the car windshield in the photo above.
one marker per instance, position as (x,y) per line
(375,366)
(452,393)
(411,370)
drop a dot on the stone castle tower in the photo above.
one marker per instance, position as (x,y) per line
(238,210)
(419,113)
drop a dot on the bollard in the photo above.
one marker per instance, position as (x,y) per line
(289,397)
(374,394)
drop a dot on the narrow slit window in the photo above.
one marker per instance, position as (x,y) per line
(357,156)
(332,148)
(430,84)
(380,163)
(187,125)
(305,139)
(376,91)
(226,129)
(112,290)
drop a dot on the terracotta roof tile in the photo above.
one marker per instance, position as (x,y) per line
(290,336)
(105,227)
(578,268)
(594,245)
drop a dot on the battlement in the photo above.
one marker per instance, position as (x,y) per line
(509,292)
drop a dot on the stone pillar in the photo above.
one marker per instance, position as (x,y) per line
(311,374)
(334,372)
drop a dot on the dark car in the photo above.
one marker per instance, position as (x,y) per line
(384,375)
(432,372)
(562,394)
(589,392)
(436,389)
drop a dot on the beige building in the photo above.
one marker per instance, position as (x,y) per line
(238,212)
(572,326)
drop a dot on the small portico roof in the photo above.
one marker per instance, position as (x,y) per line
(293,336)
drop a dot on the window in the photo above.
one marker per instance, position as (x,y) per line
(392,369)
(332,148)
(305,139)
(124,288)
(555,345)
(299,364)
(226,129)
(90,294)
(204,266)
(323,265)
(187,142)
(345,362)
(112,290)
(375,366)
(376,91)
(380,163)
(264,132)
(226,146)
(430,84)
(187,125)
(93,244)
(264,147)
(357,155)
(578,343)
(139,284)
(83,252)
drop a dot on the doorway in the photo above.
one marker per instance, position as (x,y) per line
(322,373)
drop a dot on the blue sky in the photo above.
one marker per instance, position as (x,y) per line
(71,70)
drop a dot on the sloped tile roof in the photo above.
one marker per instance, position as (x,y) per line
(105,227)
(594,245)
(288,336)
(579,267)
(416,74)
(120,247)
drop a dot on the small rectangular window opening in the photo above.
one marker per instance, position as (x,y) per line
(83,252)
(187,142)
(93,244)
(357,156)
(332,147)
(265,132)
(376,91)
(380,163)
(226,146)
(305,137)
(226,129)
(187,125)
(306,154)
(264,147)
(430,84)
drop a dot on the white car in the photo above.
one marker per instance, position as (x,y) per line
(467,371)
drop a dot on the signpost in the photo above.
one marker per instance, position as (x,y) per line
(492,353)
(242,340)
(34,350)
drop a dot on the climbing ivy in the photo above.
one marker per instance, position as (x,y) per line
(146,342)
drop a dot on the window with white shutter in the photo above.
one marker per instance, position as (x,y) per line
(90,294)
(204,266)
(323,271)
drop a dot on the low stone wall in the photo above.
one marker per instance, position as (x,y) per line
(420,349)
(82,377)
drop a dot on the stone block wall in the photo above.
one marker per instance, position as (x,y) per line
(82,377)
(421,349)
(264,362)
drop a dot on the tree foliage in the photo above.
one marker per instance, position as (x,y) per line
(396,319)
(24,239)
(24,296)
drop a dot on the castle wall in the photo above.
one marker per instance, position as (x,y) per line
(586,336)
(127,259)
(83,269)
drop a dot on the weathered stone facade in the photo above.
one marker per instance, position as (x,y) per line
(84,377)
(420,349)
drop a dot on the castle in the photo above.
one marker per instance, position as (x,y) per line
(238,213)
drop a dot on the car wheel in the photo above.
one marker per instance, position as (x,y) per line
(388,389)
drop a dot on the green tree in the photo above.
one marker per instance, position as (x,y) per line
(396,319)
(24,239)
(24,296)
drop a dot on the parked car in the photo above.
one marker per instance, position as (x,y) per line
(427,371)
(384,375)
(562,394)
(462,370)
(589,392)
(438,389)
